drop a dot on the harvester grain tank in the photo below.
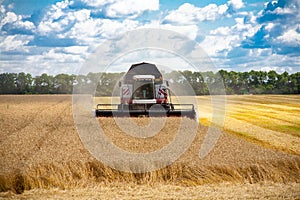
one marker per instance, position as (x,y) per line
(143,92)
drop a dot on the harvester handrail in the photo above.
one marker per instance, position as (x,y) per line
(105,104)
(187,104)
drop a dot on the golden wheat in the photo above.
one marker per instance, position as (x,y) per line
(269,120)
(40,148)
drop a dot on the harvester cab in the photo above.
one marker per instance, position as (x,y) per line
(143,92)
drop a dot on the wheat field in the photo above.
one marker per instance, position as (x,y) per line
(256,156)
(248,116)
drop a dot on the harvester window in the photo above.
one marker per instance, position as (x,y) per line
(143,90)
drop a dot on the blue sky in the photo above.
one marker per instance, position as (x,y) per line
(57,36)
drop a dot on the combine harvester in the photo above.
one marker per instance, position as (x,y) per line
(143,92)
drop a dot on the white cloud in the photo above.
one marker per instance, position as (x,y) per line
(93,31)
(132,8)
(15,22)
(190,31)
(269,26)
(236,4)
(79,50)
(25,25)
(120,8)
(80,15)
(111,28)
(290,37)
(185,14)
(188,14)
(2,10)
(62,22)
(61,5)
(84,29)
(14,42)
(59,57)
(54,61)
(244,29)
(56,11)
(223,30)
(222,40)
(11,6)
(59,18)
(211,12)
(213,45)
(262,60)
(10,18)
(164,60)
(250,18)
(95,3)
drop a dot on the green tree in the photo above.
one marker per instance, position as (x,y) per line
(282,84)
(24,83)
(295,83)
(8,83)
(63,83)
(44,84)
(272,87)
(106,84)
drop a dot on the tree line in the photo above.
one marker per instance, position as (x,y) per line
(203,83)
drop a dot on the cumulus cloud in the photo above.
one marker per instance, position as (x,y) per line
(290,37)
(214,45)
(188,14)
(14,42)
(2,10)
(10,17)
(258,59)
(279,24)
(55,55)
(280,11)
(91,3)
(62,25)
(131,8)
(236,4)
(267,41)
(259,40)
(117,8)
(12,23)
(77,50)
(54,61)
(93,31)
(58,19)
(190,31)
(224,39)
